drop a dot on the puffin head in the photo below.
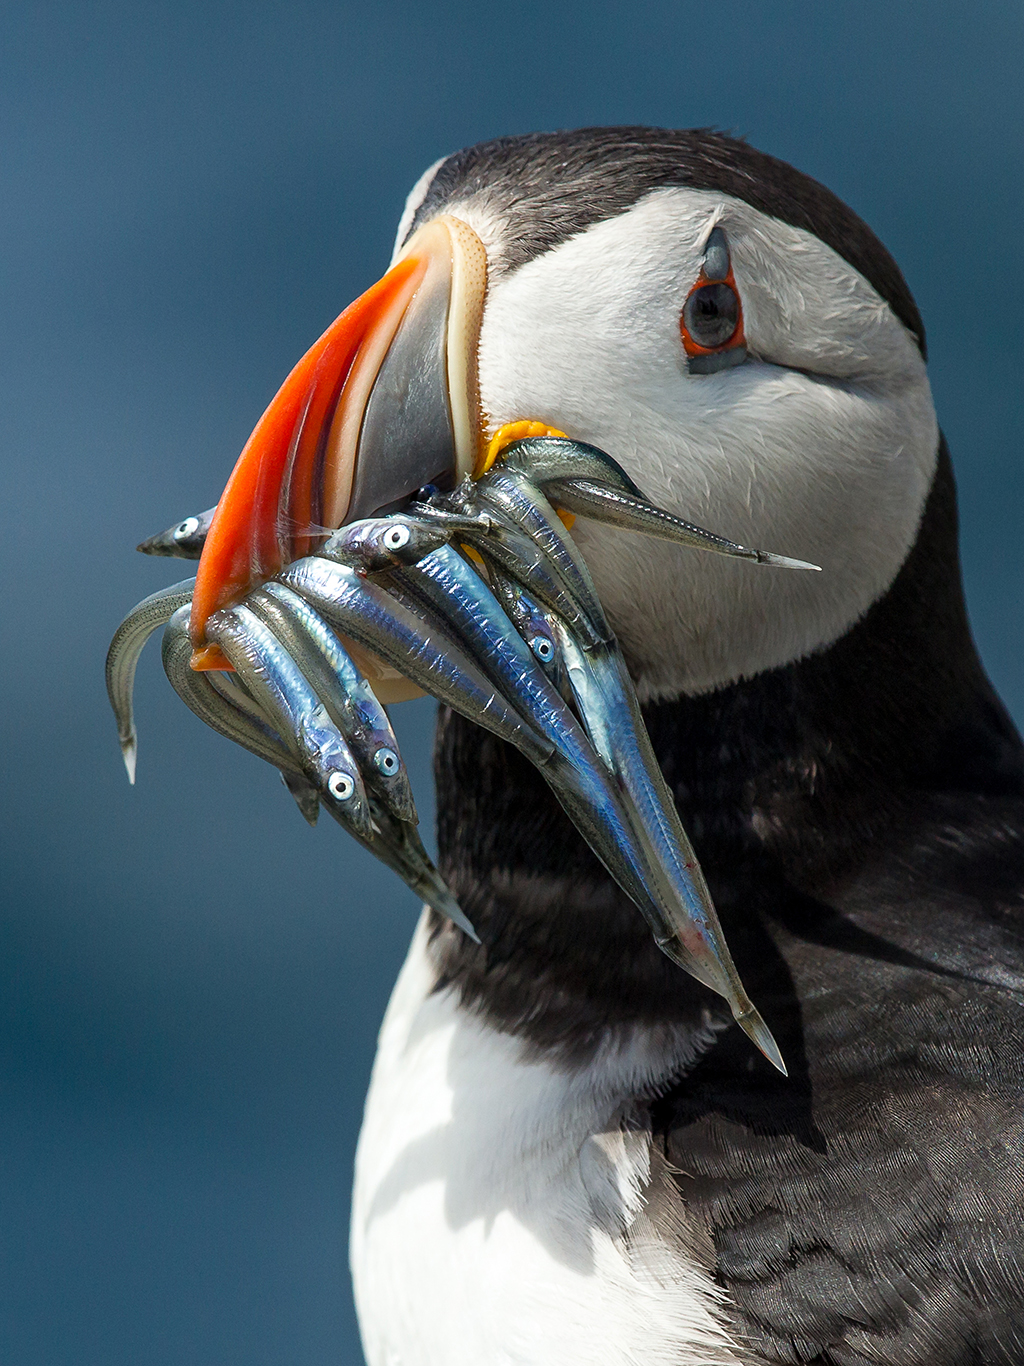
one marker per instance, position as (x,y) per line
(723,326)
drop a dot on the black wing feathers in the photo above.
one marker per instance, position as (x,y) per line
(873,1211)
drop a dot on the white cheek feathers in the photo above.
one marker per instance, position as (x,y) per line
(821,446)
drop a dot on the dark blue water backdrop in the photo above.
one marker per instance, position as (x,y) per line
(191,980)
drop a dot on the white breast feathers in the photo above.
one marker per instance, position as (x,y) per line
(508,1211)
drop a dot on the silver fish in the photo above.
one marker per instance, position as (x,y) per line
(603,701)
(585,480)
(511,496)
(398,844)
(520,645)
(184,540)
(534,624)
(424,651)
(123,658)
(622,809)
(494,532)
(347,695)
(607,703)
(222,702)
(275,681)
(296,713)
(219,700)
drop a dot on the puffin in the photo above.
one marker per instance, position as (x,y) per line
(568,1154)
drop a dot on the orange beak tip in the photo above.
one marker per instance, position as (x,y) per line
(210,657)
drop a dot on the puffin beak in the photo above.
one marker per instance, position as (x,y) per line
(384,403)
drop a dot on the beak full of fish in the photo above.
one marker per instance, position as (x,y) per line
(373,542)
(479,597)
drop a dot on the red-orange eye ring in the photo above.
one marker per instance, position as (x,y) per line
(711,324)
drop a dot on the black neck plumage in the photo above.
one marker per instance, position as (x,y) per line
(788,783)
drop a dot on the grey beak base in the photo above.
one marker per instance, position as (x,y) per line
(407,438)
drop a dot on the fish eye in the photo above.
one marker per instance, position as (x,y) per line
(188,527)
(387,761)
(396,537)
(543,649)
(340,786)
(711,314)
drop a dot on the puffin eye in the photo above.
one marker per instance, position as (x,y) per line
(340,786)
(711,315)
(712,320)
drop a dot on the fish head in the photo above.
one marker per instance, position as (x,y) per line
(379,544)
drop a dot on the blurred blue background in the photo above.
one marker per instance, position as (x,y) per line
(190,979)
